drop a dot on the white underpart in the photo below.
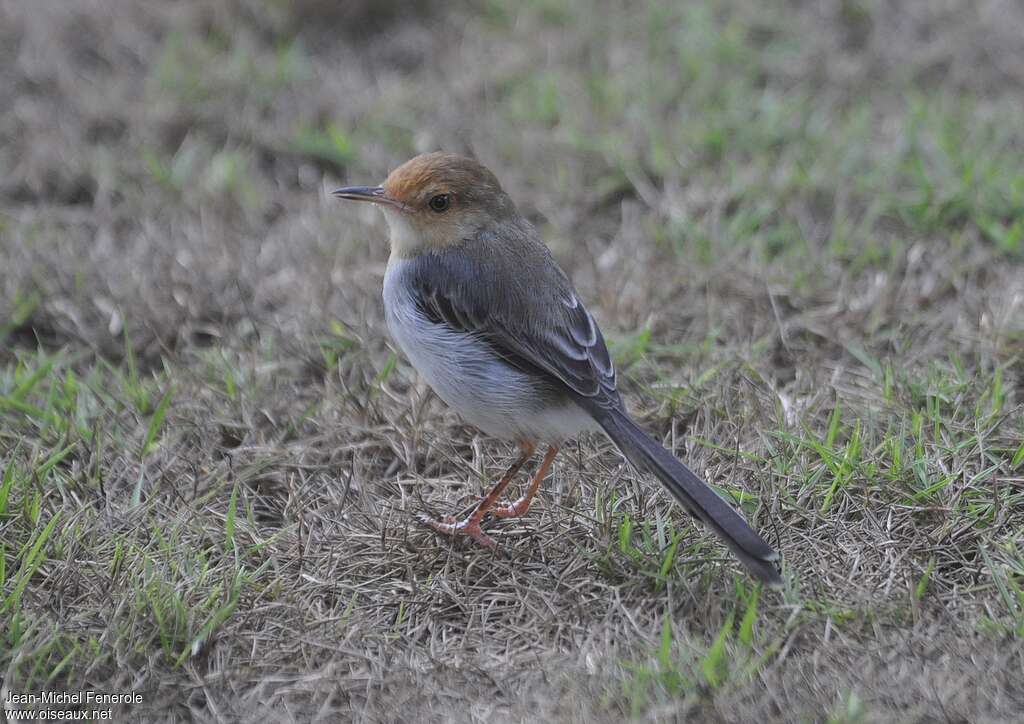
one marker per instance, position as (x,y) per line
(404,235)
(464,372)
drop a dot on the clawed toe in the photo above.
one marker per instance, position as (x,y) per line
(489,505)
(468,526)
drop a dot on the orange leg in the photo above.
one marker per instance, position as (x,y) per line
(519,507)
(471,525)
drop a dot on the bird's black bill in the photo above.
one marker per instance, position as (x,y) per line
(374,194)
(361,193)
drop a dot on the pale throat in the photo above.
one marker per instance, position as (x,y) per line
(405,238)
(409,238)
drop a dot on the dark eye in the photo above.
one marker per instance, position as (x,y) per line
(440,203)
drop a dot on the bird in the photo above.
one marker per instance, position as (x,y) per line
(479,306)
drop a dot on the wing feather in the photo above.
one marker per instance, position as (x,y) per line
(560,341)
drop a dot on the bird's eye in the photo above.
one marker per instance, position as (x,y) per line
(440,203)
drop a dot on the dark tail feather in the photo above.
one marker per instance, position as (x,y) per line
(692,493)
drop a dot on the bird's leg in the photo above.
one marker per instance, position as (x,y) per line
(471,525)
(520,506)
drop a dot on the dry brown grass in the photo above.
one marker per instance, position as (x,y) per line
(834,307)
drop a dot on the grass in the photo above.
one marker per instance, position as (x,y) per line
(800,228)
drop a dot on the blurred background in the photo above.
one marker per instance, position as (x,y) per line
(799,222)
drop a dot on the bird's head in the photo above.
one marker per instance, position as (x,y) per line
(435,200)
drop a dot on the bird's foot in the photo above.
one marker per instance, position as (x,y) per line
(450,526)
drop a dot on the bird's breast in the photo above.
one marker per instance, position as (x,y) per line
(470,377)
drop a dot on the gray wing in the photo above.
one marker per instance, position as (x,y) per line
(547,332)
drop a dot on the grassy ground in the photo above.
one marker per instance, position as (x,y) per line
(801,225)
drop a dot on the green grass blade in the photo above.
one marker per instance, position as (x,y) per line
(21,391)
(746,634)
(714,665)
(1018,457)
(665,643)
(53,460)
(30,563)
(156,422)
(6,485)
(219,616)
(229,523)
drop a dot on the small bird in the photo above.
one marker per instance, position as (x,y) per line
(476,301)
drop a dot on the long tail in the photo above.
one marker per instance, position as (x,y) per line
(692,493)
